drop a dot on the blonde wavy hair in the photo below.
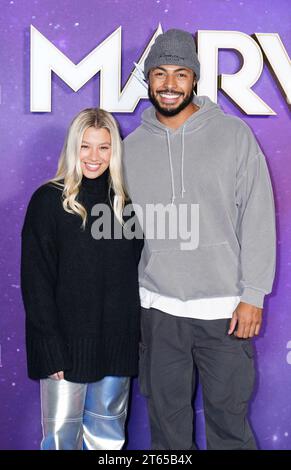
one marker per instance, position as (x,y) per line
(69,164)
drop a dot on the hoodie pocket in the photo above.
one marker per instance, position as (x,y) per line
(208,271)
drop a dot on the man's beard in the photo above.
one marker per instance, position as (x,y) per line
(170,112)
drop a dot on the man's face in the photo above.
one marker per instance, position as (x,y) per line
(170,88)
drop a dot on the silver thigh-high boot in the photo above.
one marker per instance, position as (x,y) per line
(62,408)
(105,413)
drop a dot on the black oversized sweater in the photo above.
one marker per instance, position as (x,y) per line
(80,294)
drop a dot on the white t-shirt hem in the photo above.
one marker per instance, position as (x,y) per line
(214,308)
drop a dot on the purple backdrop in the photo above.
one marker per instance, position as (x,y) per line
(30,146)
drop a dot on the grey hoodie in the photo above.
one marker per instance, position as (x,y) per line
(213,160)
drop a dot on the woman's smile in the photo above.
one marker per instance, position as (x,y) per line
(92,166)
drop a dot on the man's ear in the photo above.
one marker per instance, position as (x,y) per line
(194,80)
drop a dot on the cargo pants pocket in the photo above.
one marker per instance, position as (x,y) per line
(248,370)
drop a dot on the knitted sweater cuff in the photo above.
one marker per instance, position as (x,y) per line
(46,355)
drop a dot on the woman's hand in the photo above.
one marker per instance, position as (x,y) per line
(57,376)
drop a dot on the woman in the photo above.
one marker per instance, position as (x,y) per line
(80,292)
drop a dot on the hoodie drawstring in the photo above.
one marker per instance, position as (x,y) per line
(182,162)
(171,165)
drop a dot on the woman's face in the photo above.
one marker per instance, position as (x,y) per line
(95,152)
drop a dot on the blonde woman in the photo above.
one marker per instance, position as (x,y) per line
(80,292)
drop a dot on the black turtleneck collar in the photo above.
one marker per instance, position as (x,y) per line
(97,186)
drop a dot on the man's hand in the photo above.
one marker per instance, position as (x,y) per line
(57,376)
(248,320)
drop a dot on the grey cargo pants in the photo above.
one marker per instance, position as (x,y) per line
(171,349)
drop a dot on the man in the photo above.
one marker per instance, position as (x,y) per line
(200,306)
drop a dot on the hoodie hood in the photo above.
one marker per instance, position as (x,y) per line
(207,110)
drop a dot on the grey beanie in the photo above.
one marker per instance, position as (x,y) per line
(174,47)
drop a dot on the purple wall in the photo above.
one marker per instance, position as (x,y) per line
(30,146)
